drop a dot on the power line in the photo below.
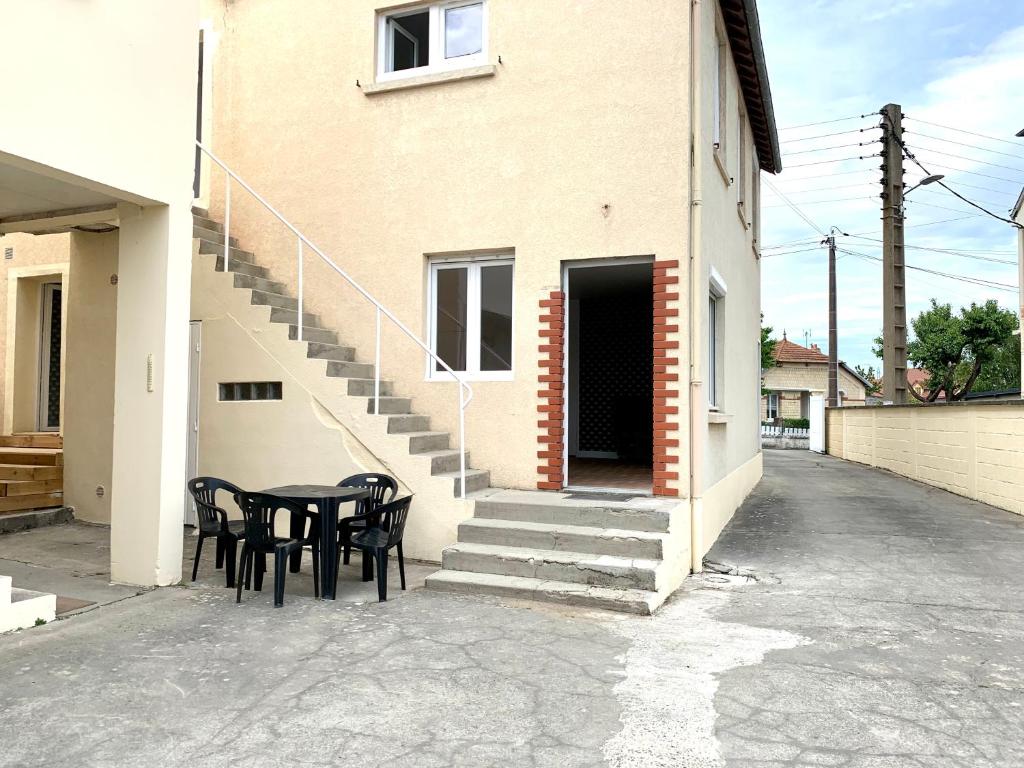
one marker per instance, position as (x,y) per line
(837,160)
(973,160)
(860,184)
(826,149)
(828,135)
(974,186)
(948,251)
(823,122)
(962,278)
(951,169)
(964,144)
(985,200)
(962,130)
(795,208)
(825,175)
(832,200)
(788,253)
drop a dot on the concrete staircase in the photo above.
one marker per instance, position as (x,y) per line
(20,608)
(31,471)
(555,547)
(563,548)
(432,448)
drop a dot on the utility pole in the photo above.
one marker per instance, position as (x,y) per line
(894,295)
(833,335)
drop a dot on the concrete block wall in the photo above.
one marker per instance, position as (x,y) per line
(971,449)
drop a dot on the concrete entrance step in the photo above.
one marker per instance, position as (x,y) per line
(636,601)
(548,564)
(35,518)
(20,608)
(564,538)
(641,513)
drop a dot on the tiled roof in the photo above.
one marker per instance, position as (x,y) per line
(788,352)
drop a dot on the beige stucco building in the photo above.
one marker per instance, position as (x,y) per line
(575,236)
(800,373)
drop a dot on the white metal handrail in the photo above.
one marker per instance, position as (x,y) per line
(465,391)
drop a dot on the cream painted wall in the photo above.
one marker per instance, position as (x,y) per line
(104,92)
(728,247)
(972,449)
(261,444)
(523,160)
(91,311)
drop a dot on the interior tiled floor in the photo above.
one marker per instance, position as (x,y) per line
(609,473)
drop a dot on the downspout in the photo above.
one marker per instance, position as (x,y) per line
(694,293)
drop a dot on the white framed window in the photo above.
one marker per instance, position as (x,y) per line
(434,37)
(471,303)
(741,164)
(773,406)
(755,204)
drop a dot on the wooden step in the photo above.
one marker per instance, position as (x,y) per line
(49,457)
(32,440)
(30,487)
(31,501)
(28,472)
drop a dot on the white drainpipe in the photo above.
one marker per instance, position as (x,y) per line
(696,294)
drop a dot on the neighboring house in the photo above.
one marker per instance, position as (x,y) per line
(516,203)
(799,373)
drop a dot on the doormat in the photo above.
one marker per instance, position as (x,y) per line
(69,604)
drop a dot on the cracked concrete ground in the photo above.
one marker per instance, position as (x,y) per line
(884,628)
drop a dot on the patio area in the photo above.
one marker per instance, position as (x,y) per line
(882,629)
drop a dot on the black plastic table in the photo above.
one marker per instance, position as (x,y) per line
(328,500)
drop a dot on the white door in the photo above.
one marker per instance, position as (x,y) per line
(48,416)
(192,432)
(817,417)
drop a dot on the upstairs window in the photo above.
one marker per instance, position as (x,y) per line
(431,38)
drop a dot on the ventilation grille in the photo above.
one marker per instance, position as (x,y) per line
(250,390)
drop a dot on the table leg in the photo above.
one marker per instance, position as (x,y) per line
(328,548)
(296,530)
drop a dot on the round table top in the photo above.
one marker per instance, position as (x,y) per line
(313,493)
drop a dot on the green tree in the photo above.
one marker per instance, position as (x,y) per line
(955,349)
(767,346)
(870,375)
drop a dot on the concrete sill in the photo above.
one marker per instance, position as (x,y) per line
(720,163)
(436,78)
(717,417)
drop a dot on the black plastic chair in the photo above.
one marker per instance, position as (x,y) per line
(214,522)
(259,511)
(383,489)
(374,534)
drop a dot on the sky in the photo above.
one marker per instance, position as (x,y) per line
(950,64)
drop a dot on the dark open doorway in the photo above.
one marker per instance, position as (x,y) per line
(610,364)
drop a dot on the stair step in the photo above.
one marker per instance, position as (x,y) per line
(24,607)
(212,236)
(476,480)
(201,212)
(291,316)
(12,522)
(403,423)
(29,472)
(390,405)
(349,370)
(28,487)
(567,538)
(321,335)
(32,440)
(258,283)
(444,461)
(41,457)
(636,601)
(205,222)
(31,501)
(266,298)
(639,514)
(576,567)
(318,351)
(422,442)
(364,388)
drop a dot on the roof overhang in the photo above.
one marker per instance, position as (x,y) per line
(744,31)
(1017,207)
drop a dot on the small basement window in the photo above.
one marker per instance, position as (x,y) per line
(250,390)
(431,38)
